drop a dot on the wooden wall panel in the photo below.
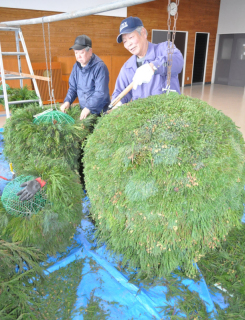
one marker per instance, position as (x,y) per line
(194,16)
(11,64)
(107,61)
(116,65)
(58,85)
(66,63)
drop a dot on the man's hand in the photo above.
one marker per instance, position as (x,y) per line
(84,113)
(143,75)
(65,106)
(31,188)
(117,105)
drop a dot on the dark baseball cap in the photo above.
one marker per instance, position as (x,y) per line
(128,25)
(81,42)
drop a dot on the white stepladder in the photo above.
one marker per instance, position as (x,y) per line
(17,75)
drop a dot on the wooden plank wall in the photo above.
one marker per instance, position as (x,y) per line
(194,16)
(58,85)
(11,64)
(61,68)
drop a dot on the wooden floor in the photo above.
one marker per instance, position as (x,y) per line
(2,118)
(230,100)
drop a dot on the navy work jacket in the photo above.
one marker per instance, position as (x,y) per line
(90,85)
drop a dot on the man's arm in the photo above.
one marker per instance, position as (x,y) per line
(95,101)
(161,61)
(72,91)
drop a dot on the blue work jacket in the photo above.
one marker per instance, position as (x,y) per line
(90,85)
(158,55)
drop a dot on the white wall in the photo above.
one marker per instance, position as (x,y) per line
(231,17)
(231,21)
(62,6)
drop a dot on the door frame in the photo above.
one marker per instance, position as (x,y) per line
(185,54)
(206,57)
(216,49)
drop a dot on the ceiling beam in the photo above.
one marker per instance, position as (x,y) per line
(112,5)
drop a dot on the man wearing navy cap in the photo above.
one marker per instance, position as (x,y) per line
(89,80)
(147,68)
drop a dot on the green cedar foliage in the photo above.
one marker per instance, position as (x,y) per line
(94,309)
(57,295)
(165,177)
(52,228)
(225,266)
(19,270)
(19,94)
(23,138)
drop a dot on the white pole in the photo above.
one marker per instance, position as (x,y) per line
(76,14)
(4,86)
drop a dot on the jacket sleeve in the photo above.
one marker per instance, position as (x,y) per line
(161,60)
(72,91)
(121,83)
(101,81)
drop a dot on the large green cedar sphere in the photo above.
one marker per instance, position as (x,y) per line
(165,176)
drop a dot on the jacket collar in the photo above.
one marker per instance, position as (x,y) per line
(91,62)
(150,56)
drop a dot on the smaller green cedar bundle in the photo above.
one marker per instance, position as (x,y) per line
(22,137)
(165,178)
(53,226)
(19,94)
(19,270)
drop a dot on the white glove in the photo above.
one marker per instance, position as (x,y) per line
(142,75)
(117,105)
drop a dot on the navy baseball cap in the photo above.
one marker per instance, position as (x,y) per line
(128,25)
(81,42)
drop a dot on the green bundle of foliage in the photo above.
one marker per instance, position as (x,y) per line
(51,229)
(23,138)
(19,94)
(19,269)
(57,295)
(225,267)
(165,177)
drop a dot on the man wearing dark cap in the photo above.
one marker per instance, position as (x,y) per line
(147,68)
(88,81)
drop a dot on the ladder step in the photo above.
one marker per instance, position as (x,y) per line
(18,75)
(11,77)
(9,29)
(13,53)
(23,101)
(2,96)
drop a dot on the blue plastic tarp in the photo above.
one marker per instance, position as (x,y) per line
(5,172)
(119,297)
